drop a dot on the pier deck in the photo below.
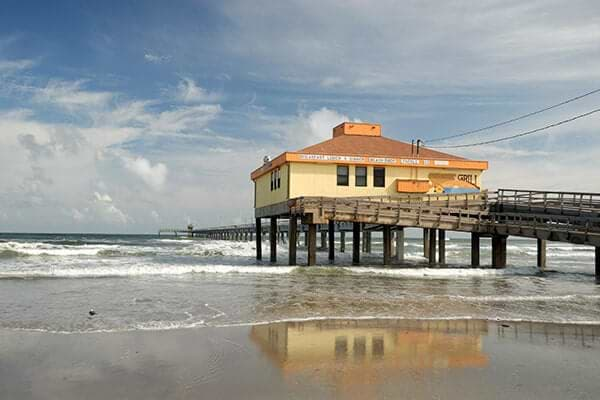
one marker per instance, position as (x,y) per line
(572,217)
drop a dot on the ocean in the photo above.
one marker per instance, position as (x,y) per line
(49,282)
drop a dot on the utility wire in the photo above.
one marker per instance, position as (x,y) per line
(502,139)
(515,119)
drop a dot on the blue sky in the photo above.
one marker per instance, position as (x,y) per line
(126,116)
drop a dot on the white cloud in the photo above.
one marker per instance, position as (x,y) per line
(156,58)
(108,211)
(71,95)
(189,92)
(11,66)
(154,176)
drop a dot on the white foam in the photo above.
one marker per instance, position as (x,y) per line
(39,248)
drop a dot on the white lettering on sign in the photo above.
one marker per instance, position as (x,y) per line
(382,160)
(441,162)
(409,161)
(321,157)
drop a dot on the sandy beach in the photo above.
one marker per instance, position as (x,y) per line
(359,359)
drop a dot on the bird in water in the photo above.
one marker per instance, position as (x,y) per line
(92,312)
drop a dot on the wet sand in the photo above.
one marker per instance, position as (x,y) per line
(358,359)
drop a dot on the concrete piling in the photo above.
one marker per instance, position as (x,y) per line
(331,236)
(292,240)
(400,244)
(355,243)
(312,244)
(258,239)
(273,239)
(541,254)
(442,246)
(499,251)
(432,246)
(475,249)
(387,244)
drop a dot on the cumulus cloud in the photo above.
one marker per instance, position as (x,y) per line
(154,176)
(105,207)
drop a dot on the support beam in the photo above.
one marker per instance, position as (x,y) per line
(312,244)
(541,254)
(400,244)
(258,239)
(306,238)
(387,244)
(331,235)
(442,246)
(499,251)
(364,238)
(323,239)
(432,239)
(426,242)
(355,243)
(292,232)
(273,239)
(369,237)
(342,241)
(475,249)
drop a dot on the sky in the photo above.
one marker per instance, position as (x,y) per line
(127,116)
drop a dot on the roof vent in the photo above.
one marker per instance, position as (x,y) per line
(357,129)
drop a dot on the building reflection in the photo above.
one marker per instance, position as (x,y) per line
(366,351)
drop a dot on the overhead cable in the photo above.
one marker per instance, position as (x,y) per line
(518,135)
(514,119)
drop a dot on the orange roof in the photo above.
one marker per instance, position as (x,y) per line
(373,146)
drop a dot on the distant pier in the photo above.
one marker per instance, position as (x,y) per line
(572,217)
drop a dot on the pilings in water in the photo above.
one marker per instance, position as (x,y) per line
(323,240)
(426,242)
(431,247)
(258,239)
(499,251)
(331,236)
(273,239)
(442,246)
(292,239)
(541,254)
(355,243)
(475,249)
(400,244)
(387,244)
(342,241)
(312,244)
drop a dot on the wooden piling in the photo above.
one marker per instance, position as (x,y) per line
(475,249)
(499,251)
(442,246)
(331,236)
(432,239)
(426,242)
(323,239)
(355,243)
(387,244)
(258,227)
(369,238)
(541,254)
(273,239)
(312,244)
(342,241)
(400,244)
(292,240)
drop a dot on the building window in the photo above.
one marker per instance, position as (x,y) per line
(379,177)
(361,176)
(275,179)
(342,175)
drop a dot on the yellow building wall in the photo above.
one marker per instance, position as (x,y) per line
(321,180)
(263,196)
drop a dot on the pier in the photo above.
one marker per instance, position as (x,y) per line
(572,217)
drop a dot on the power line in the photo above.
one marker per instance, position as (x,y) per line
(516,118)
(502,139)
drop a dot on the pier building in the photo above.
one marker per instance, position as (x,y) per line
(359,162)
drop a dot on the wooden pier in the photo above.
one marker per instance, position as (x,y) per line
(571,217)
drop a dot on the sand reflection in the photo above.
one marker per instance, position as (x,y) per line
(344,353)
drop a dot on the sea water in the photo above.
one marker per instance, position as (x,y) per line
(49,282)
